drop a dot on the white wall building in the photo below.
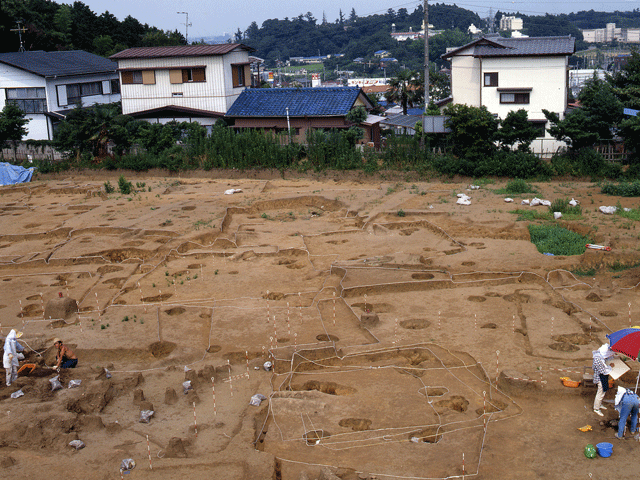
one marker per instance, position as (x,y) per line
(611,33)
(46,85)
(183,83)
(510,23)
(505,74)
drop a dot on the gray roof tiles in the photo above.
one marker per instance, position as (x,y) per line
(60,64)
(518,47)
(179,51)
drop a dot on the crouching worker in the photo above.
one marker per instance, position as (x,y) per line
(627,403)
(65,358)
(11,357)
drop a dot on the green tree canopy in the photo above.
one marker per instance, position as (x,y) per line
(473,131)
(12,125)
(405,89)
(515,130)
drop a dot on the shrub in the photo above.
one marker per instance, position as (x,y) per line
(518,186)
(624,189)
(557,240)
(124,186)
(108,187)
(562,205)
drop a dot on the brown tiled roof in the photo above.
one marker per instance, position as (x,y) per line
(179,51)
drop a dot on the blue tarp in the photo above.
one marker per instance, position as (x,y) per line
(12,174)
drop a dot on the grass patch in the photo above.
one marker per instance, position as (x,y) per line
(557,240)
(618,266)
(531,215)
(590,272)
(624,189)
(562,205)
(632,214)
(515,187)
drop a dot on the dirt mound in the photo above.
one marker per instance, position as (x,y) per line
(593,297)
(93,400)
(63,307)
(175,448)
(476,298)
(430,434)
(456,403)
(573,338)
(161,349)
(315,436)
(175,311)
(170,396)
(356,424)
(330,388)
(564,347)
(415,323)
(323,337)
(109,269)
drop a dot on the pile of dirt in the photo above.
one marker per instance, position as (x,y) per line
(62,307)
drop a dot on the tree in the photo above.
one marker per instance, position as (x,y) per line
(352,16)
(473,131)
(12,125)
(516,130)
(405,89)
(595,121)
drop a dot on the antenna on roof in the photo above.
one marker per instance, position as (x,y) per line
(19,30)
(186,24)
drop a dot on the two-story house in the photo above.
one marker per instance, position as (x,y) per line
(505,74)
(192,83)
(46,85)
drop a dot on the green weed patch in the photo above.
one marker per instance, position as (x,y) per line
(557,240)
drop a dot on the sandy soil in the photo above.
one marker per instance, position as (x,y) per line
(389,312)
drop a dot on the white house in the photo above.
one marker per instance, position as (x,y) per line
(505,74)
(510,23)
(183,83)
(46,85)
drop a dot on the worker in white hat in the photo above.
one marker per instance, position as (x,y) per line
(601,371)
(11,357)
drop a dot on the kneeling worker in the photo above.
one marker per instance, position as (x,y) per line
(65,358)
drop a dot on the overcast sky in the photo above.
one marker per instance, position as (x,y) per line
(214,17)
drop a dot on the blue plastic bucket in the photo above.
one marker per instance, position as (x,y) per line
(604,449)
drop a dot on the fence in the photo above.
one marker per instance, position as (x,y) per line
(26,152)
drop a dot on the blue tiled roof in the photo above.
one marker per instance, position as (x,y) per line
(273,102)
(49,64)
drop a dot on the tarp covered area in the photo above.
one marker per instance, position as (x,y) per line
(12,174)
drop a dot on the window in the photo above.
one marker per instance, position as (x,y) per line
(29,100)
(241,75)
(187,75)
(520,98)
(115,86)
(146,77)
(491,79)
(77,90)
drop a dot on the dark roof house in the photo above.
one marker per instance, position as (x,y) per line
(300,109)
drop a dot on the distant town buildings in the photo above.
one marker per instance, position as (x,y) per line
(411,35)
(511,24)
(611,33)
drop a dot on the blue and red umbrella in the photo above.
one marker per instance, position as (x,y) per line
(626,342)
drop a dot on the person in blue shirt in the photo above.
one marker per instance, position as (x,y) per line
(627,404)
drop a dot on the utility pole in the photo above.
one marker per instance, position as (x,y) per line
(426,63)
(19,30)
(186,25)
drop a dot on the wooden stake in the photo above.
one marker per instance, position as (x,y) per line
(475,321)
(288,324)
(395,333)
(213,388)
(334,309)
(42,303)
(149,451)
(66,285)
(268,316)
(439,325)
(246,354)
(300,306)
(484,410)
(98,307)
(195,422)
(514,324)
(552,327)
(365,303)
(295,342)
(275,331)
(497,365)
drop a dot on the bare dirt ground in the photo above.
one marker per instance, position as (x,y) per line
(469,329)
